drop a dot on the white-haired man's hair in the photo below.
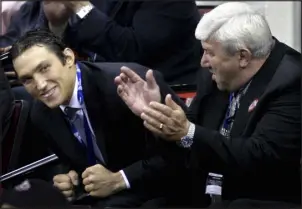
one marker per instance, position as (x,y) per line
(236,25)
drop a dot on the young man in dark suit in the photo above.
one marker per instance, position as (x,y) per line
(245,123)
(87,124)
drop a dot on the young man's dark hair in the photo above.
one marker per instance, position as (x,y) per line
(39,37)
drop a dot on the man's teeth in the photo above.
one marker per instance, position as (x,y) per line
(49,93)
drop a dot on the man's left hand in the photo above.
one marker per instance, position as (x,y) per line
(100,182)
(75,6)
(168,121)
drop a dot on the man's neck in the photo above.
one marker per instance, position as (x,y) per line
(72,88)
(57,29)
(249,73)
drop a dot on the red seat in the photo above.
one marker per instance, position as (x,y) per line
(185,91)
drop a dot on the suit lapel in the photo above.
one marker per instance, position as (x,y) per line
(60,132)
(217,105)
(115,8)
(95,107)
(256,89)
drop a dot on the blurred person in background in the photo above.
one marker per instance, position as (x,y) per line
(157,34)
(8,9)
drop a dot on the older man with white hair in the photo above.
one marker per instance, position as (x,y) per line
(243,127)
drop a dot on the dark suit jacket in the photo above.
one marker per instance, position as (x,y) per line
(261,160)
(6,100)
(158,34)
(31,150)
(121,136)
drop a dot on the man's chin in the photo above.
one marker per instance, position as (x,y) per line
(51,104)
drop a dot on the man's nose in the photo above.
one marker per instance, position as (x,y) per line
(41,84)
(204,62)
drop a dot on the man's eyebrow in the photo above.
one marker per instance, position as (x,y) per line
(39,66)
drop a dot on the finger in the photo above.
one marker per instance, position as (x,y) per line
(118,80)
(170,103)
(74,177)
(152,128)
(130,74)
(60,178)
(156,115)
(94,194)
(87,180)
(89,187)
(70,199)
(65,186)
(151,82)
(123,92)
(87,172)
(124,77)
(164,109)
(68,193)
(150,120)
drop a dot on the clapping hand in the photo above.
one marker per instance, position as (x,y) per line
(166,120)
(136,92)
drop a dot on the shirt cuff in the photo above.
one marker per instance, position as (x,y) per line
(125,179)
(84,11)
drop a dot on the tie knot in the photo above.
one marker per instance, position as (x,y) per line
(71,112)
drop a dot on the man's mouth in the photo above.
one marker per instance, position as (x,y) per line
(211,70)
(48,93)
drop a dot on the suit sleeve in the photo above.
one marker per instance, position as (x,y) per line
(140,40)
(276,139)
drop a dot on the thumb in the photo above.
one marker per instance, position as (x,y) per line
(74,177)
(151,82)
(170,103)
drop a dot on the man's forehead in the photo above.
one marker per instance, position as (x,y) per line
(207,44)
(211,44)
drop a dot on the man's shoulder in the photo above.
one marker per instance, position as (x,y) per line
(38,111)
(30,8)
(288,72)
(113,69)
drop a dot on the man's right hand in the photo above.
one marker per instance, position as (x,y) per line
(136,92)
(66,183)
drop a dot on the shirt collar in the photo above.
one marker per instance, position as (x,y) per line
(74,102)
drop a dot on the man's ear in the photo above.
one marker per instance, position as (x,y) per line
(69,57)
(245,57)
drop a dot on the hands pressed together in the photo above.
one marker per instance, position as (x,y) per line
(167,120)
(97,180)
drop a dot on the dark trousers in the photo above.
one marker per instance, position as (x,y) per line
(124,199)
(248,203)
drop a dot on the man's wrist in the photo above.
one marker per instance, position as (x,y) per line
(187,140)
(119,182)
